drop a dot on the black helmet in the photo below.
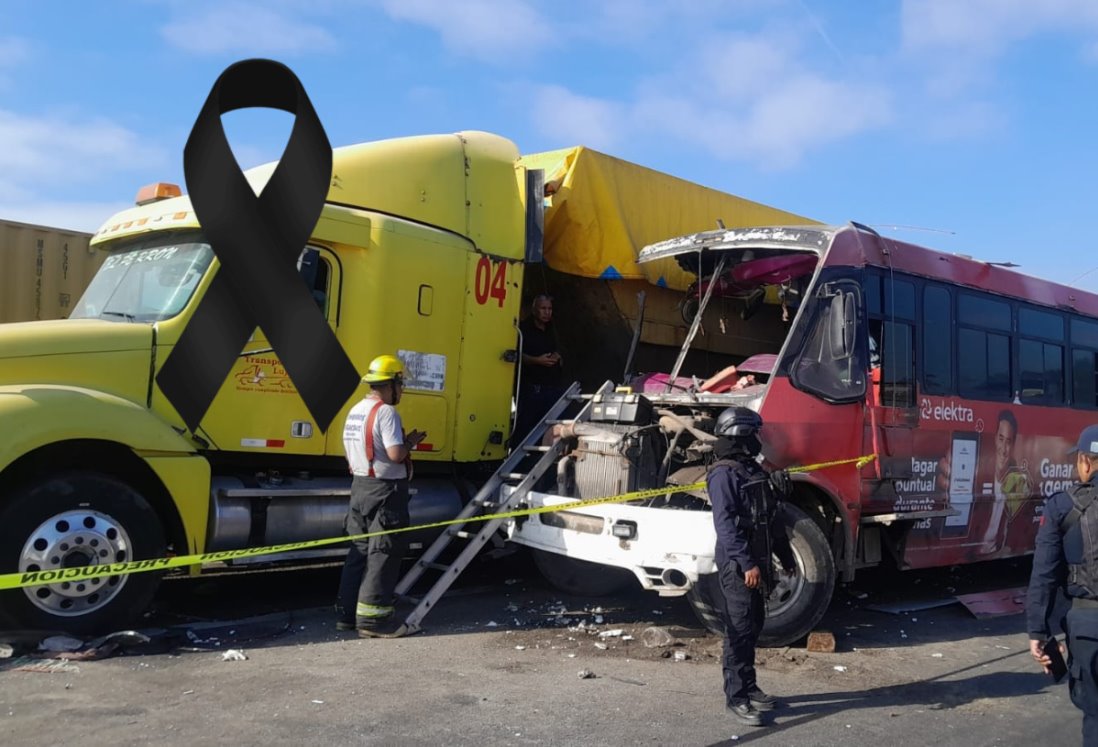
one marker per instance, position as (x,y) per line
(738,422)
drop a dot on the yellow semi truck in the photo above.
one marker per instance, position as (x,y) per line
(423,249)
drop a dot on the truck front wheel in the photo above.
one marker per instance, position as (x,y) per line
(796,604)
(72,520)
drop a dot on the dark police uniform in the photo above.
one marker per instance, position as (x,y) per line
(1057,560)
(744,609)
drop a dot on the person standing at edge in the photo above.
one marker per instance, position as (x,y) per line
(378,454)
(1065,560)
(542,376)
(745,501)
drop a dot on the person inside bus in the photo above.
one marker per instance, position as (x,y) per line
(1065,561)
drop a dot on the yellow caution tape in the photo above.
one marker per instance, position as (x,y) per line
(106,570)
(859,462)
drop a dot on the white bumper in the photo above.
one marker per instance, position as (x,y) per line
(670,548)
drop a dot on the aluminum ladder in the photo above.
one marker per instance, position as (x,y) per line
(487,501)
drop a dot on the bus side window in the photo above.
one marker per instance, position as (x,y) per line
(897,341)
(1040,356)
(1084,363)
(983,347)
(898,365)
(937,360)
(1085,371)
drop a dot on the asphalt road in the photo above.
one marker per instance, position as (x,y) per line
(500,663)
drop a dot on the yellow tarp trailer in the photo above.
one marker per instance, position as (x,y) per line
(602,211)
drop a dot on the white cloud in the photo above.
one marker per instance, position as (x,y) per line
(964,119)
(503,31)
(245,28)
(736,98)
(959,41)
(59,153)
(775,129)
(576,119)
(987,27)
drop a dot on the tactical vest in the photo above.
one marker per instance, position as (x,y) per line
(1084,574)
(763,503)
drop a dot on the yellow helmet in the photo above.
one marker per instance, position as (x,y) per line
(383,368)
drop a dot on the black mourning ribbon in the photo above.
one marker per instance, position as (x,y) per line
(257,241)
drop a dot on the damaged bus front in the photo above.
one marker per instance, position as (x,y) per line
(799,305)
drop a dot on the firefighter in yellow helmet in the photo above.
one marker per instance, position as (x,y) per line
(378,454)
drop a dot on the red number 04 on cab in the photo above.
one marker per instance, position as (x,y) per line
(489,282)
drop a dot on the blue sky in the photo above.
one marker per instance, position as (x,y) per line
(972,121)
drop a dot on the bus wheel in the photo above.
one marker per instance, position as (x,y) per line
(580,577)
(77,520)
(796,604)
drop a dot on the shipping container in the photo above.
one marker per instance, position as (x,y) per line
(43,270)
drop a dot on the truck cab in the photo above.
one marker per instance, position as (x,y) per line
(419,252)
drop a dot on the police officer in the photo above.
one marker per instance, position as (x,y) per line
(745,501)
(1066,560)
(378,456)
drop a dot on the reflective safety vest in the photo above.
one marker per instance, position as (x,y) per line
(368,441)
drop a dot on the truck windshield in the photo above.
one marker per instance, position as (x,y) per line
(146,281)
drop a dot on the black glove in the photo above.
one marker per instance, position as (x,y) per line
(779,480)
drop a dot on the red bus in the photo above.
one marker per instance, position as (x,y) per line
(967,380)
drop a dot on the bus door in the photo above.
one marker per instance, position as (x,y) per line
(903,487)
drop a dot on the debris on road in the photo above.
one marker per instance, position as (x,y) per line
(613,633)
(681,656)
(995,603)
(233,654)
(821,642)
(586,674)
(656,637)
(912,605)
(60,643)
(49,666)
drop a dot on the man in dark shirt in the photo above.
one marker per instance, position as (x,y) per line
(1065,561)
(541,376)
(746,518)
